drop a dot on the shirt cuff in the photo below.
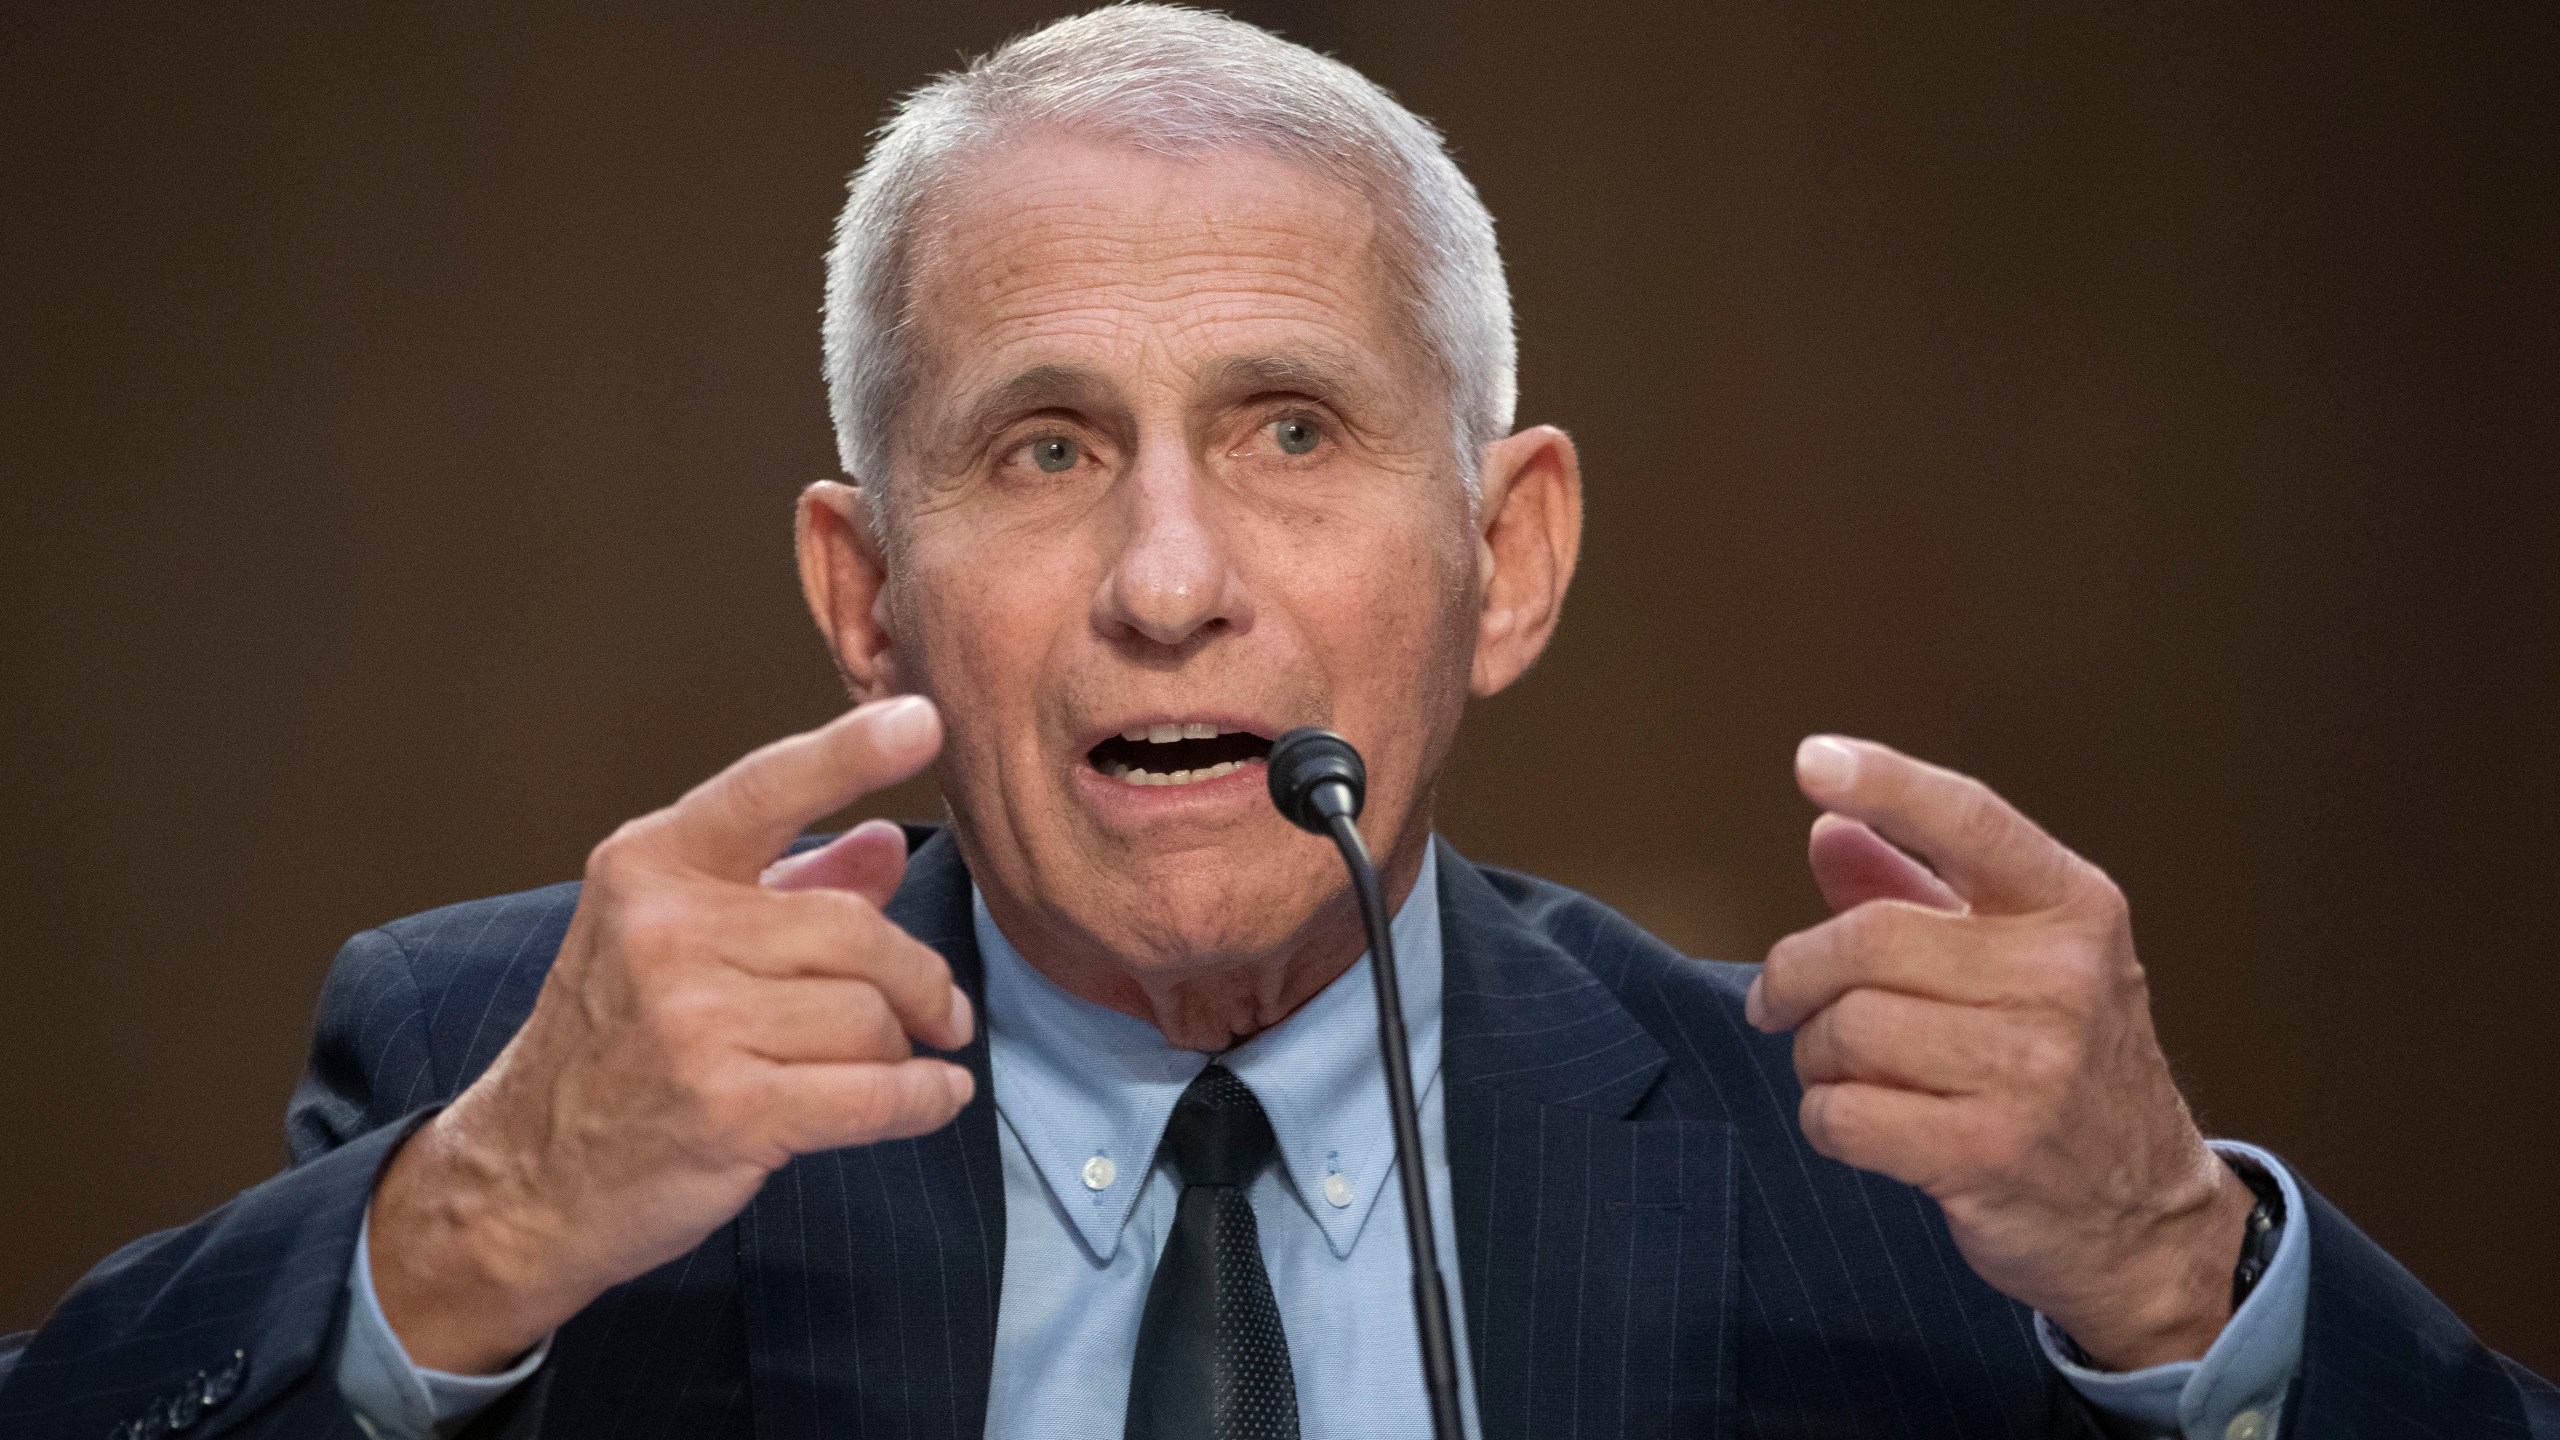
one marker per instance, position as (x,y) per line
(392,1397)
(2234,1392)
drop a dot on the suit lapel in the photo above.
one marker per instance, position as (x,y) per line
(1595,1249)
(872,1273)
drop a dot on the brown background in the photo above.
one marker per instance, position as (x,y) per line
(2148,408)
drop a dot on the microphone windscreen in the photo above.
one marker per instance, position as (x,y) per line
(1303,760)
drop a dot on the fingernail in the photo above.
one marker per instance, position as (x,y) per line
(905,723)
(963,1084)
(1825,762)
(1751,1004)
(964,1018)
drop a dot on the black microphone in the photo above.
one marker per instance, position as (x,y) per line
(1318,782)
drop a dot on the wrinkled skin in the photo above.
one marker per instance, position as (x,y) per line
(1983,1031)
(714,1011)
(1160,324)
(1169,459)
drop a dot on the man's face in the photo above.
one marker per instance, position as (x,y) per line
(1171,470)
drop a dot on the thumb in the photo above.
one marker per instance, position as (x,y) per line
(1853,865)
(869,860)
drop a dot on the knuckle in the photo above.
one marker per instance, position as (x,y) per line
(876,1028)
(1813,1062)
(1981,819)
(918,972)
(752,790)
(1829,1118)
(909,1104)
(688,1019)
(867,1100)
(2096,899)
(2076,981)
(1856,929)
(1860,1027)
(2104,892)
(1814,1117)
(2047,1062)
(653,933)
(1779,969)
(853,922)
(613,857)
(1874,926)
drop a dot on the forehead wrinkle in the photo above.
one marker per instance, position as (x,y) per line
(1030,256)
(1042,221)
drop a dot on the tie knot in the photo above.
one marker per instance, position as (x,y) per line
(1218,1134)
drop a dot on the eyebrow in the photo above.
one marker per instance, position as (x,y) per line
(1059,386)
(1320,376)
(1042,387)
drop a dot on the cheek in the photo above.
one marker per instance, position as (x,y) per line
(974,630)
(1401,624)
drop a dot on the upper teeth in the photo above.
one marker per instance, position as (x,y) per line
(1166,734)
(1180,730)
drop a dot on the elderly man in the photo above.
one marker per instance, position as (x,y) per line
(1174,364)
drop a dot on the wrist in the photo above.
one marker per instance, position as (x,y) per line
(458,1256)
(2178,1297)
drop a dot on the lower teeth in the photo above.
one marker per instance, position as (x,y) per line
(1134,776)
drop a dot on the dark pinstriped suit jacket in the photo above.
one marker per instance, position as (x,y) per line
(1647,1246)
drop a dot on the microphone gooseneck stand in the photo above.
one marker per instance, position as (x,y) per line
(1318,781)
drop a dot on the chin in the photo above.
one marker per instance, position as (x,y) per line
(1202,909)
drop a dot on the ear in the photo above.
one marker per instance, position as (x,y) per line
(845,578)
(1532,508)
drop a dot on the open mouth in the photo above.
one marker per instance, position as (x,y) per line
(1178,753)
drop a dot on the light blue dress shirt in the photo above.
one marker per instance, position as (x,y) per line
(1082,1094)
(1076,1083)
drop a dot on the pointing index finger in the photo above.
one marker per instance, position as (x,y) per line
(733,824)
(1993,856)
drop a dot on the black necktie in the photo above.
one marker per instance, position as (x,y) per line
(1212,1361)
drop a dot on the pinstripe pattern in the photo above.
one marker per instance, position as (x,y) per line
(1810,1299)
(872,1274)
(1646,1246)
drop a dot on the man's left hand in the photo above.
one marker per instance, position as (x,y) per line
(1984,1032)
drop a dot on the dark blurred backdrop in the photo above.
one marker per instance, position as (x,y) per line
(2149,408)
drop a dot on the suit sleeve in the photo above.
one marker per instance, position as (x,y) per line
(228,1326)
(2382,1357)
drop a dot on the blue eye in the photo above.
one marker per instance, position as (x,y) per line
(1056,454)
(1295,436)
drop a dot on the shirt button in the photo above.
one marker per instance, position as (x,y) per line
(2247,1425)
(1099,1172)
(1337,1190)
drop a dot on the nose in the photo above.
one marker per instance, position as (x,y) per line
(1173,582)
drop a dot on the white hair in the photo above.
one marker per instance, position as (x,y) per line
(1173,81)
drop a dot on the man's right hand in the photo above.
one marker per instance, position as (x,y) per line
(710,1015)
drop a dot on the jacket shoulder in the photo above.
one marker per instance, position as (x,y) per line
(477,967)
(415,1009)
(1718,1064)
(1622,954)
(500,930)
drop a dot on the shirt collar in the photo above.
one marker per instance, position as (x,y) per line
(1080,1083)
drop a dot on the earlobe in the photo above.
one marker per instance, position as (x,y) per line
(1532,484)
(844,578)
